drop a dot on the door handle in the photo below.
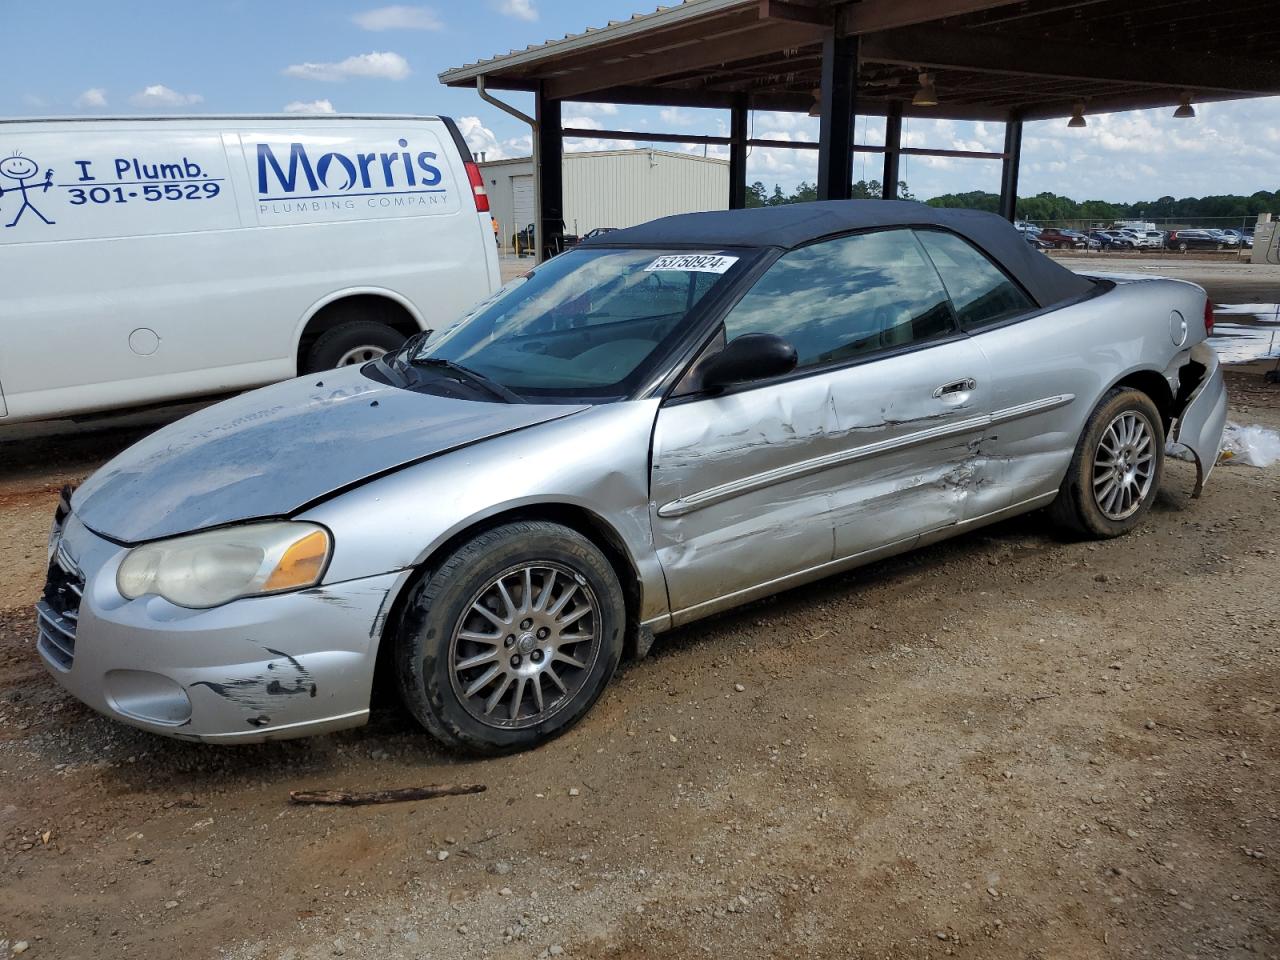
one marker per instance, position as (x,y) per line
(956,386)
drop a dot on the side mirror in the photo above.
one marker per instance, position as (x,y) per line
(752,356)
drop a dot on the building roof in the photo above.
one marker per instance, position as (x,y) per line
(991,59)
(796,224)
(584,154)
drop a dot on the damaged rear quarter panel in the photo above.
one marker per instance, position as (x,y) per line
(1077,351)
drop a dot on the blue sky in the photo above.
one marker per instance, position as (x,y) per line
(251,56)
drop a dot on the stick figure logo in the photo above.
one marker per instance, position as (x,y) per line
(22,169)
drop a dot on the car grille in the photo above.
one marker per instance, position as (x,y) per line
(58,611)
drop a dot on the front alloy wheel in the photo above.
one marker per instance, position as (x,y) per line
(509,640)
(523,649)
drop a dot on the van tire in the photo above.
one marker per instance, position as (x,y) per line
(351,343)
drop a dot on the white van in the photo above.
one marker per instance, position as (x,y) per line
(143,260)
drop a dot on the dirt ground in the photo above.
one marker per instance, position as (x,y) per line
(1004,746)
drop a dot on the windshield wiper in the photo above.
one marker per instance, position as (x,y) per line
(466,373)
(410,346)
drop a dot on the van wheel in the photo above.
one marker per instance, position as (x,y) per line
(351,343)
(1116,469)
(512,639)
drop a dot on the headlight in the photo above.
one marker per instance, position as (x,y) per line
(210,569)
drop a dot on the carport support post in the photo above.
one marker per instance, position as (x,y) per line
(1009,169)
(550,182)
(835,137)
(738,153)
(892,144)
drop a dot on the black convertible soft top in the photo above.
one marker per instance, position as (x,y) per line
(795,224)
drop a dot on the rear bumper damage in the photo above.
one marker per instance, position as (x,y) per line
(1202,415)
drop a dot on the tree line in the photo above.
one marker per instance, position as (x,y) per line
(758,196)
(1050,206)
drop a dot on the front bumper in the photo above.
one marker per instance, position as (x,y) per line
(262,668)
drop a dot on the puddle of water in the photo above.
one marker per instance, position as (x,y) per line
(1244,332)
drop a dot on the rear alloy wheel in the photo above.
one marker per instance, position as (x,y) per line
(1123,466)
(1116,468)
(512,639)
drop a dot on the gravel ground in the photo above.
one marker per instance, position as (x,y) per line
(1007,745)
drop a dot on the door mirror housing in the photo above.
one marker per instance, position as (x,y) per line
(752,356)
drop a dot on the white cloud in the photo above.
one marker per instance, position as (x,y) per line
(480,138)
(34,100)
(520,9)
(159,97)
(311,107)
(676,117)
(600,109)
(95,98)
(582,123)
(382,65)
(398,17)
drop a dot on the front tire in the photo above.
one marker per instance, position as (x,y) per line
(511,640)
(1116,468)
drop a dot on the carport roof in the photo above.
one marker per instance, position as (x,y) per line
(991,59)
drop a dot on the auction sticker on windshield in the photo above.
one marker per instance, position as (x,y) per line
(693,263)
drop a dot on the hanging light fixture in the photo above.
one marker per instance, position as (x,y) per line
(815,110)
(927,95)
(1077,115)
(1185,110)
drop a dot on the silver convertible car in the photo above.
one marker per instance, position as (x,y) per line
(665,422)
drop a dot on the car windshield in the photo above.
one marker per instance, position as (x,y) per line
(588,324)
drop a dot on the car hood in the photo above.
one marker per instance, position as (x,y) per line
(269,452)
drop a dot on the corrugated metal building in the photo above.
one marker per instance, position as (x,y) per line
(611,188)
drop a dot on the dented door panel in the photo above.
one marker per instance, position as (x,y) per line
(764,483)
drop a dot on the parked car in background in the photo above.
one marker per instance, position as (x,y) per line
(636,435)
(1140,239)
(1233,238)
(1195,239)
(1065,239)
(597,232)
(184,256)
(1155,238)
(1113,239)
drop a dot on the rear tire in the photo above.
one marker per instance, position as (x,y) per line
(351,344)
(535,608)
(1116,468)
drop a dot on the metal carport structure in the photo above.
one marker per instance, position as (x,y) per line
(995,60)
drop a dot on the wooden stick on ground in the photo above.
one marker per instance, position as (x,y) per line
(347,799)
